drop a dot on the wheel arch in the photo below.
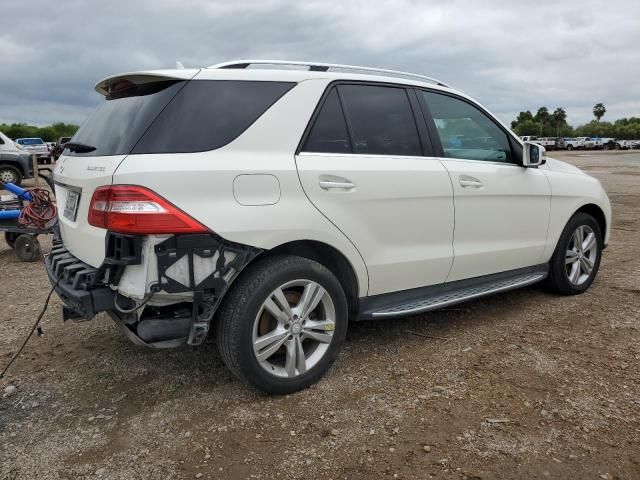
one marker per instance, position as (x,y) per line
(597,213)
(331,258)
(15,164)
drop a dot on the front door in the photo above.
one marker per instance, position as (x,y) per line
(501,208)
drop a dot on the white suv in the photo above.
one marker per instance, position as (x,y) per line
(273,205)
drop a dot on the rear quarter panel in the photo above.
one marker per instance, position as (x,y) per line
(201,184)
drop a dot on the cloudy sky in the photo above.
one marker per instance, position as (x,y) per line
(508,54)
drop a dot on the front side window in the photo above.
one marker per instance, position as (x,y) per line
(465,131)
(381,120)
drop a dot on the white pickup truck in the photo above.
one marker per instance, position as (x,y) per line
(549,143)
(585,143)
(35,146)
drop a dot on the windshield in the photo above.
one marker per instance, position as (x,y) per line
(30,141)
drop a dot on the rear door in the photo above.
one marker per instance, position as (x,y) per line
(366,165)
(501,208)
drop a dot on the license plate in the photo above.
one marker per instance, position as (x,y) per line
(71,205)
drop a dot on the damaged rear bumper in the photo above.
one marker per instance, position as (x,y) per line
(200,267)
(71,279)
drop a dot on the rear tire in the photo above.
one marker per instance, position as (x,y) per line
(569,147)
(27,248)
(296,345)
(576,259)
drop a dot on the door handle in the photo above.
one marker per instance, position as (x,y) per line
(470,182)
(335,184)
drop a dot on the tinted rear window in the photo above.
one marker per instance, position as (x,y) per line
(208,114)
(177,117)
(118,123)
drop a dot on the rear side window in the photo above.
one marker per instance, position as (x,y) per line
(381,120)
(329,132)
(177,116)
(208,114)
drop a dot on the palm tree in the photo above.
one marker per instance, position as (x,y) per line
(542,117)
(598,111)
(559,117)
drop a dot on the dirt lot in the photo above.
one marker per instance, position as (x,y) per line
(521,385)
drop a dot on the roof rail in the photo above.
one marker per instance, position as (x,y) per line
(323,67)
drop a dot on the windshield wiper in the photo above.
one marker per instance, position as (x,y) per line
(78,147)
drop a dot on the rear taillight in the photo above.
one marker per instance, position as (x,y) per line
(138,210)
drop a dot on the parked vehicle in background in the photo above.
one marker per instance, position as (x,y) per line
(59,147)
(37,147)
(587,142)
(623,144)
(550,143)
(275,205)
(597,143)
(606,143)
(579,142)
(15,162)
(635,144)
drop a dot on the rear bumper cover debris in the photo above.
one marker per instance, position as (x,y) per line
(72,278)
(201,264)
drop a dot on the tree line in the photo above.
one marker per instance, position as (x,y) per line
(554,124)
(543,124)
(50,133)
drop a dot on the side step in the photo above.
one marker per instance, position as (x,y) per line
(425,299)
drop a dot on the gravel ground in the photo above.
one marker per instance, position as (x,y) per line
(521,385)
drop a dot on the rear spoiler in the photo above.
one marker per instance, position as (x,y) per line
(102,87)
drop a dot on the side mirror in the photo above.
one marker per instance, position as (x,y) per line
(534,155)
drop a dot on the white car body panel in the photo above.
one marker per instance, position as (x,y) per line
(501,225)
(396,228)
(399,214)
(9,146)
(572,189)
(84,241)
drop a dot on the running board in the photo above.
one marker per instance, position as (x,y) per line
(440,296)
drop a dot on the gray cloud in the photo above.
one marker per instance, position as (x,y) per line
(509,55)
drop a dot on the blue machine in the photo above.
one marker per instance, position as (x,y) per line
(16,190)
(21,193)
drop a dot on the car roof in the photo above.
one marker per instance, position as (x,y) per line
(278,70)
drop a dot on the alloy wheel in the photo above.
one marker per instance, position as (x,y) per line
(7,175)
(293,328)
(581,255)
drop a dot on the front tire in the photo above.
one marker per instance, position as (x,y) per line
(282,324)
(576,260)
